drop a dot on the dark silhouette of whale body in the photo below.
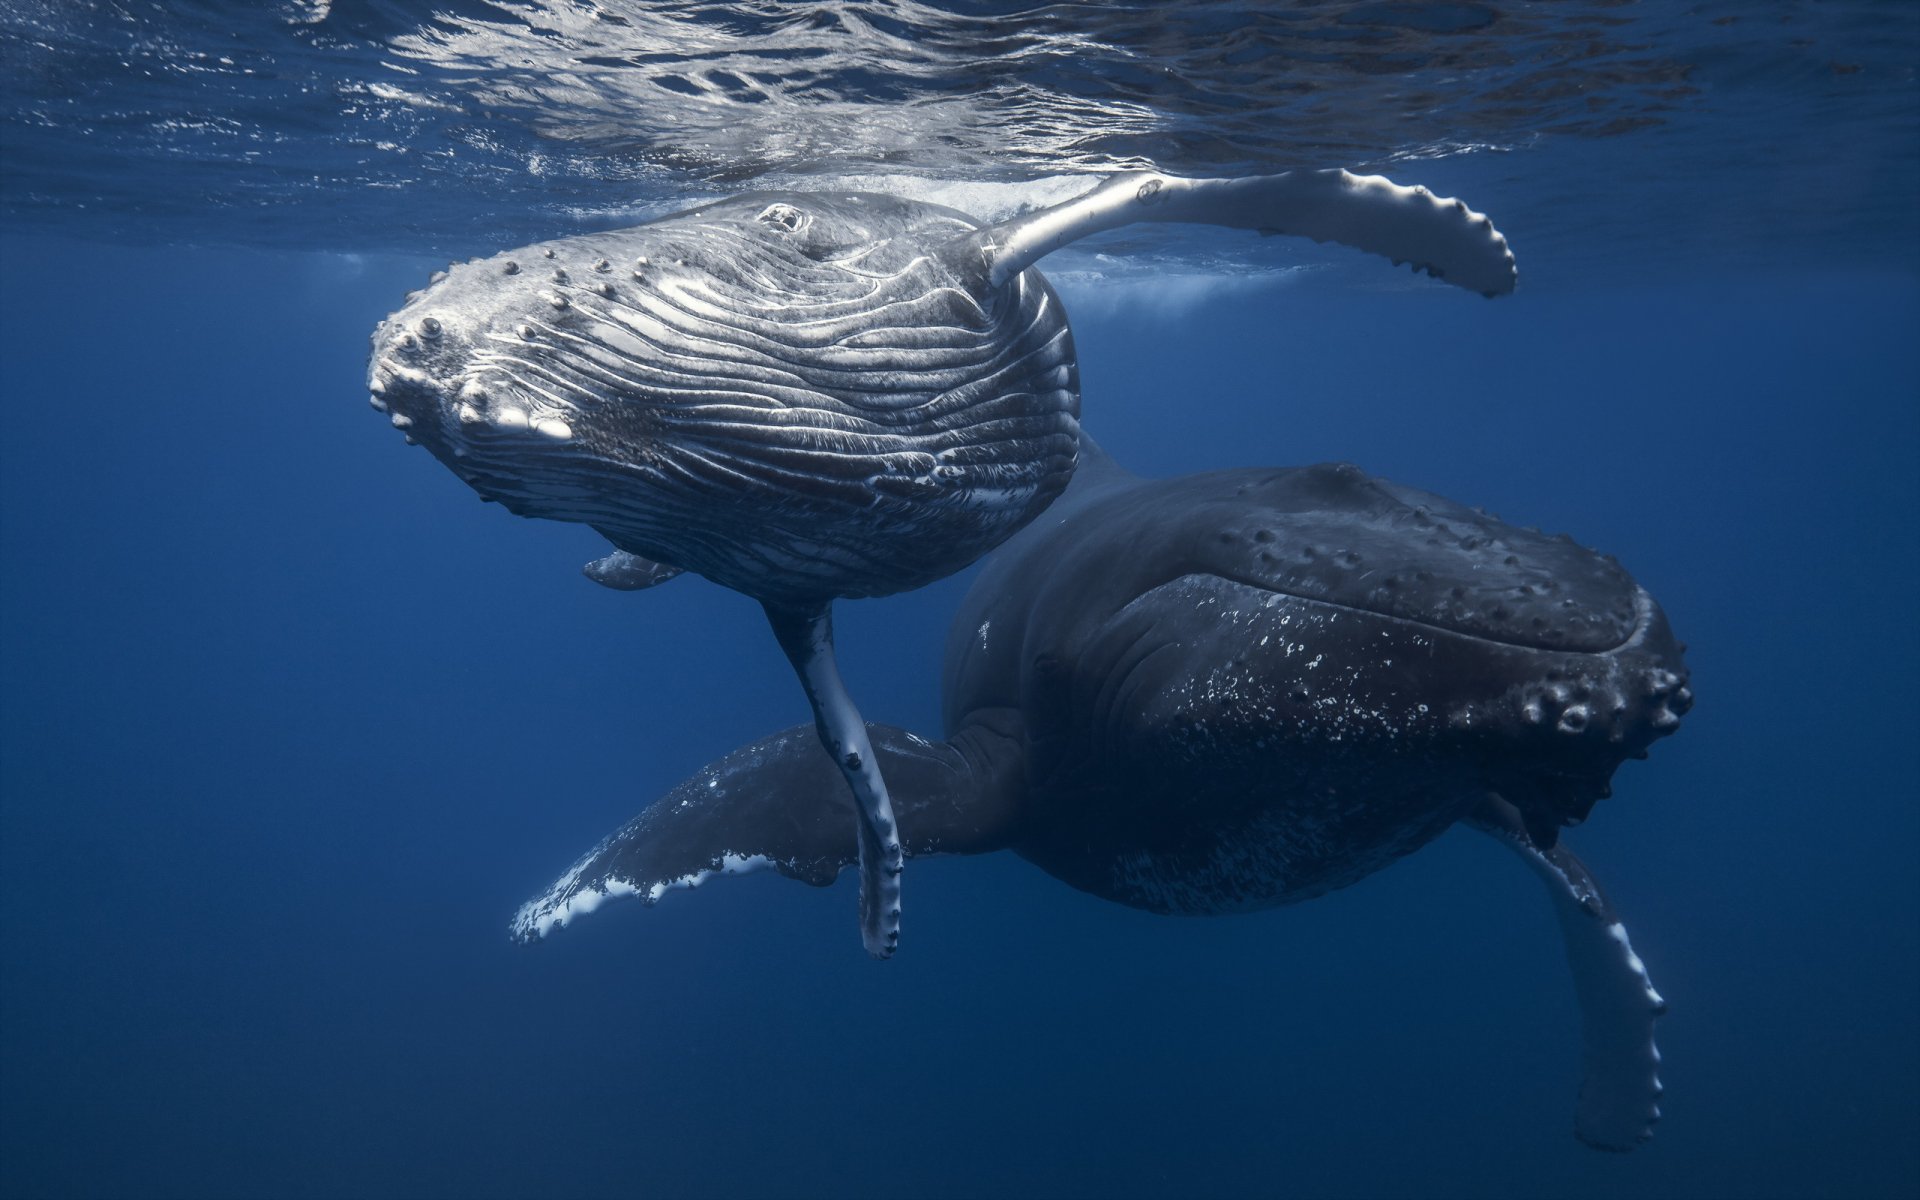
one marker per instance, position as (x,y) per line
(806,396)
(1235,690)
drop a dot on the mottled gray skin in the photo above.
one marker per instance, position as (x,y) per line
(1237,690)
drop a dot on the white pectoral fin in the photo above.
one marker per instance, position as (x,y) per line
(1441,236)
(781,803)
(1620,1089)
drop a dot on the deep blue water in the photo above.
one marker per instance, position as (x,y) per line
(292,724)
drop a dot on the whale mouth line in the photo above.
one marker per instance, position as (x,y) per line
(1642,605)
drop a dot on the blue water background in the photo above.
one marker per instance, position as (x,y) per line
(290,724)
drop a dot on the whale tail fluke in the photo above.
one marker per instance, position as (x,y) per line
(781,803)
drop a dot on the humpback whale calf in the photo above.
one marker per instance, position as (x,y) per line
(1235,690)
(807,396)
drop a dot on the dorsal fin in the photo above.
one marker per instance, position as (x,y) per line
(1095,462)
(1443,237)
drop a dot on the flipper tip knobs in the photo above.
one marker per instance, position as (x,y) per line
(881,864)
(1438,235)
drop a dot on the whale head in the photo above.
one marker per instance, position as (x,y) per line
(795,395)
(465,371)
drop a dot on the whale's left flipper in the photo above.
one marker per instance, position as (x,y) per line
(1440,236)
(625,572)
(1620,1093)
(779,803)
(807,637)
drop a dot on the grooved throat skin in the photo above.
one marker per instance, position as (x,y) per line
(792,396)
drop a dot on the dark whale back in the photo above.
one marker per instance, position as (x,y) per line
(797,395)
(1246,687)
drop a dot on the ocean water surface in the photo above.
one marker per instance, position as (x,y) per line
(290,725)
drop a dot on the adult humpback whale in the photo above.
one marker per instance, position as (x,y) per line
(807,396)
(1236,690)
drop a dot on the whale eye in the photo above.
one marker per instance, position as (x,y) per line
(784,217)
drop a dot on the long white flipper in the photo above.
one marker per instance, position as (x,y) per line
(807,638)
(1443,237)
(1620,1093)
(779,803)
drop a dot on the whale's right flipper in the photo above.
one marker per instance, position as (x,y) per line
(780,803)
(1620,1092)
(1442,237)
(806,635)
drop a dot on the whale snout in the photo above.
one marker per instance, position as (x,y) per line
(1581,716)
(409,396)
(430,372)
(1629,696)
(415,374)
